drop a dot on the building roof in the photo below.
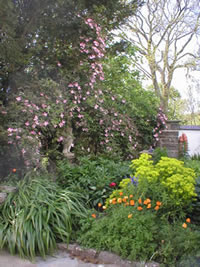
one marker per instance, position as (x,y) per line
(189,127)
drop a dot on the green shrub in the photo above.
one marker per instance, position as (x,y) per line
(92,177)
(139,235)
(38,215)
(169,173)
(158,153)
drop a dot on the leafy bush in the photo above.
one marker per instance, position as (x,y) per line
(169,173)
(94,178)
(158,153)
(35,217)
(139,235)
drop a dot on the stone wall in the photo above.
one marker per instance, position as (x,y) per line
(169,138)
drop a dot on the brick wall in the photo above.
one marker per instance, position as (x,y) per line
(169,138)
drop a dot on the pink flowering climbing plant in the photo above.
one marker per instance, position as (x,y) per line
(92,110)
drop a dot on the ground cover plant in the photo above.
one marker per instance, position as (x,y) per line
(37,216)
(93,177)
(146,217)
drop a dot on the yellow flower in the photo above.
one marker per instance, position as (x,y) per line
(119,200)
(104,207)
(184,225)
(130,216)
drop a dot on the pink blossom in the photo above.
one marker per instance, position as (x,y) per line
(45,123)
(33,132)
(18,98)
(64,101)
(27,123)
(44,114)
(18,137)
(60,139)
(96,106)
(44,105)
(10,130)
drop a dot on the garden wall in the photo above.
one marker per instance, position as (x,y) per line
(169,138)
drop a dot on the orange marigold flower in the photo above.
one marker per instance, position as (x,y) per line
(131,196)
(139,208)
(94,215)
(132,202)
(99,205)
(14,170)
(156,208)
(158,203)
(184,225)
(114,202)
(130,216)
(188,220)
(148,200)
(119,200)
(140,201)
(120,193)
(145,202)
(126,204)
(149,206)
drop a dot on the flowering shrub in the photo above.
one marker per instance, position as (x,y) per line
(160,125)
(139,234)
(177,180)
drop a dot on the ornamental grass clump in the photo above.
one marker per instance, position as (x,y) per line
(33,219)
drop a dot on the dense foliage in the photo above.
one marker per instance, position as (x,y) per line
(37,216)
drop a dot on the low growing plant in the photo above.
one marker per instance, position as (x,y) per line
(139,234)
(94,178)
(38,215)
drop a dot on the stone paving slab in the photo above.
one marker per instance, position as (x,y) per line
(61,259)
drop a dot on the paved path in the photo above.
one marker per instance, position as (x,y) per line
(61,259)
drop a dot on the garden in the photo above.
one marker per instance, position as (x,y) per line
(80,160)
(146,209)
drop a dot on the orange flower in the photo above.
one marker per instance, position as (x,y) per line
(114,201)
(104,207)
(120,193)
(156,208)
(119,200)
(139,208)
(140,201)
(99,205)
(94,215)
(14,170)
(188,220)
(149,206)
(131,196)
(158,203)
(148,200)
(126,204)
(130,216)
(132,202)
(124,199)
(184,225)
(145,202)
